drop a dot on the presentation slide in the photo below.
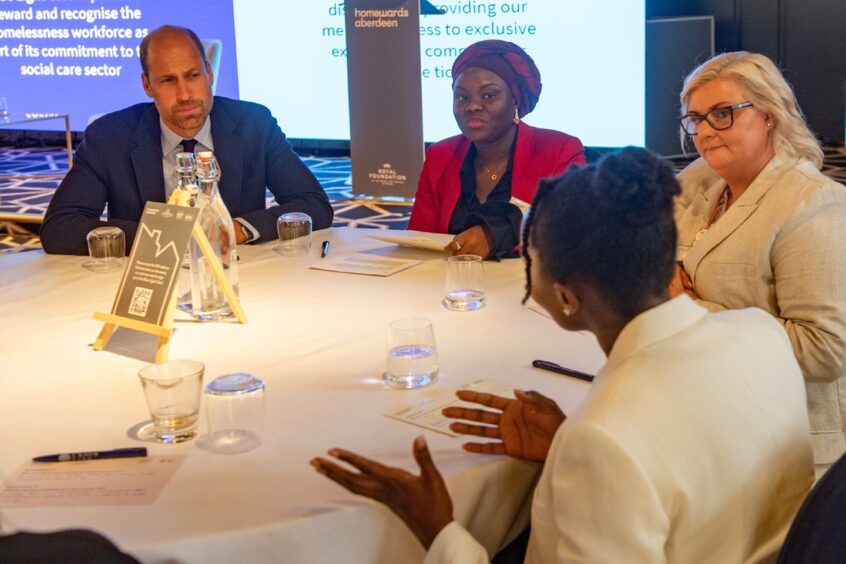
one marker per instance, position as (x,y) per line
(81,57)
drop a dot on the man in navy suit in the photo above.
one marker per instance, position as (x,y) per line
(127,157)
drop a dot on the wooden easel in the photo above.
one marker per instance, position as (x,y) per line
(165,330)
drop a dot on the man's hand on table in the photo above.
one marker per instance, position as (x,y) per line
(524,426)
(240,233)
(422,502)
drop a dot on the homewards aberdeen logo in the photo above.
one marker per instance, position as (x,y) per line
(379,18)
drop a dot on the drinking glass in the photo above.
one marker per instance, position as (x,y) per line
(4,108)
(412,354)
(234,413)
(172,390)
(106,247)
(294,230)
(465,283)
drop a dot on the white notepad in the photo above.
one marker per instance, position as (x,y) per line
(360,263)
(123,481)
(429,241)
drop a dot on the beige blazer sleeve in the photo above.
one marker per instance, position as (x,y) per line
(454,545)
(809,263)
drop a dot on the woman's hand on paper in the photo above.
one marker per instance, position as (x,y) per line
(473,241)
(524,426)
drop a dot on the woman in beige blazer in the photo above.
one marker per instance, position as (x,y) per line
(759,225)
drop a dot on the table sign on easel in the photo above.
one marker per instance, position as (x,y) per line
(146,298)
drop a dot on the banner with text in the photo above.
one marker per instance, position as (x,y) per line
(386,105)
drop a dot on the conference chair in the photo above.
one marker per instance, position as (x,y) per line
(818,534)
(213,48)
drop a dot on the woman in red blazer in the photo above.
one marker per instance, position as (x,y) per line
(474,184)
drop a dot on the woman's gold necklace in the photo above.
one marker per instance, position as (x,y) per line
(494,174)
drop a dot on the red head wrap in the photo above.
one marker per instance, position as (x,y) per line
(510,63)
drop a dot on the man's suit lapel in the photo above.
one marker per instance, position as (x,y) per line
(732,219)
(146,157)
(229,150)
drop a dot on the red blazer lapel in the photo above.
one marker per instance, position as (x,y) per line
(524,170)
(451,179)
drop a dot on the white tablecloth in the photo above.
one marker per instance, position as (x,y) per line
(318,339)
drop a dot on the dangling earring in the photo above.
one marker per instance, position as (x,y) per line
(516,118)
(567,310)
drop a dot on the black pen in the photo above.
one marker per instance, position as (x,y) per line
(324,249)
(93,455)
(558,369)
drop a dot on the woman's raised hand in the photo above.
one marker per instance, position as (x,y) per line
(422,502)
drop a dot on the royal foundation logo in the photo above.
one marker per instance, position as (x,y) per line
(387,176)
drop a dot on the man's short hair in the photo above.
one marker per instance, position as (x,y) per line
(164,30)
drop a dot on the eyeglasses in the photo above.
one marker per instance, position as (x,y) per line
(718,118)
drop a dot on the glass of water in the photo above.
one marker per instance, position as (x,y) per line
(412,354)
(172,390)
(4,108)
(465,283)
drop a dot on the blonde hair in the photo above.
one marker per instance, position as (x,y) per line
(770,93)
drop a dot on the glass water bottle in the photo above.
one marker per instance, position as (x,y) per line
(208,300)
(185,180)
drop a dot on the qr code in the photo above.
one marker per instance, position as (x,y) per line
(140,301)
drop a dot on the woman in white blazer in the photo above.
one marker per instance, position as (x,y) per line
(759,225)
(692,444)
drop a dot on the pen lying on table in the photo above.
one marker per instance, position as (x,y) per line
(558,369)
(93,455)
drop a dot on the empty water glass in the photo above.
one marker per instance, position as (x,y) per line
(234,413)
(465,283)
(294,230)
(106,247)
(412,354)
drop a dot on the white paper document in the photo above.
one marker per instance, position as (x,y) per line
(426,411)
(360,263)
(119,481)
(429,241)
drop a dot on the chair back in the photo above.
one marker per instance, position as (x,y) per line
(213,48)
(818,533)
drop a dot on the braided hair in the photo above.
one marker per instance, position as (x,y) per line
(609,224)
(543,189)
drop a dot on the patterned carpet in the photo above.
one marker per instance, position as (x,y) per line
(23,201)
